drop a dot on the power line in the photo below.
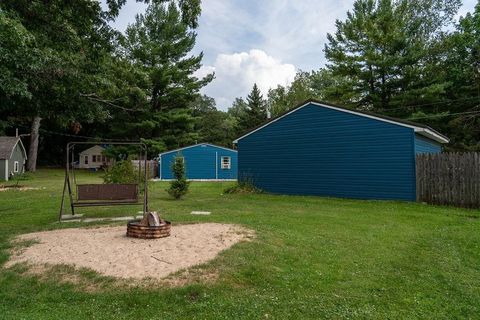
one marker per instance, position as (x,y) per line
(83,137)
(128,140)
(95,97)
(70,135)
(444,115)
(431,104)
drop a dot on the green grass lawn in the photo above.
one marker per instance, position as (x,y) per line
(312,258)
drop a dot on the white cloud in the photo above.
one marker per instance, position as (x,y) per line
(288,30)
(204,71)
(236,73)
(281,30)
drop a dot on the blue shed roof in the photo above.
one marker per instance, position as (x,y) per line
(418,128)
(196,145)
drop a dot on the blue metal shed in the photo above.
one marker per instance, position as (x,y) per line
(203,161)
(322,149)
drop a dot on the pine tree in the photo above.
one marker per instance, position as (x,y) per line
(461,69)
(383,56)
(179,186)
(159,43)
(256,111)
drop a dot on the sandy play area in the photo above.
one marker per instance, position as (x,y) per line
(108,251)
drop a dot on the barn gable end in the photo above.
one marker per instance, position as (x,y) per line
(202,161)
(324,151)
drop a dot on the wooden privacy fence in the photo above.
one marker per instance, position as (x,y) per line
(152,167)
(449,179)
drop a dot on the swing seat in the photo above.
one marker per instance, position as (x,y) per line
(106,194)
(103,194)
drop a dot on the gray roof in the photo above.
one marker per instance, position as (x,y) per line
(6,146)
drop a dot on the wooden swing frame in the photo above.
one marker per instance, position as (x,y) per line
(89,195)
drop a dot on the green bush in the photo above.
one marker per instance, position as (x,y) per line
(179,186)
(243,186)
(123,172)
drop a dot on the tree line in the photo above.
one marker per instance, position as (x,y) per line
(405,59)
(66,74)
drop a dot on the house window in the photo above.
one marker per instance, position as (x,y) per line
(225,163)
(15,166)
(104,159)
(94,158)
(86,160)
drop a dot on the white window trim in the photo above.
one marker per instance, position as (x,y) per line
(16,166)
(223,165)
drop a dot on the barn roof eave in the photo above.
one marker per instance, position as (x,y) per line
(418,128)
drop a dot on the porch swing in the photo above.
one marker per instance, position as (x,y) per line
(112,194)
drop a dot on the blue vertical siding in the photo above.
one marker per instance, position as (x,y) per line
(425,145)
(321,151)
(202,161)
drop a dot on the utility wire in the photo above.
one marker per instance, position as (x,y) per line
(128,140)
(431,104)
(95,97)
(70,135)
(83,137)
(445,115)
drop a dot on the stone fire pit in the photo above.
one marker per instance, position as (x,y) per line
(150,227)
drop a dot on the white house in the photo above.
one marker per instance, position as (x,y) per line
(93,158)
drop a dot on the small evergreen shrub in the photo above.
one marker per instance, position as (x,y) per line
(179,186)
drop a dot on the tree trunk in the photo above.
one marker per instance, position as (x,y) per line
(33,149)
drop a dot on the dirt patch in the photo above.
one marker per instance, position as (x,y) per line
(18,188)
(109,252)
(84,279)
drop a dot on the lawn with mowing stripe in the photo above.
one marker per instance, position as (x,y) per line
(312,258)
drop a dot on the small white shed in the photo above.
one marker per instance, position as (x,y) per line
(93,158)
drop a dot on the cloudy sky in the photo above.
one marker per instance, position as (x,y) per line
(247,41)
